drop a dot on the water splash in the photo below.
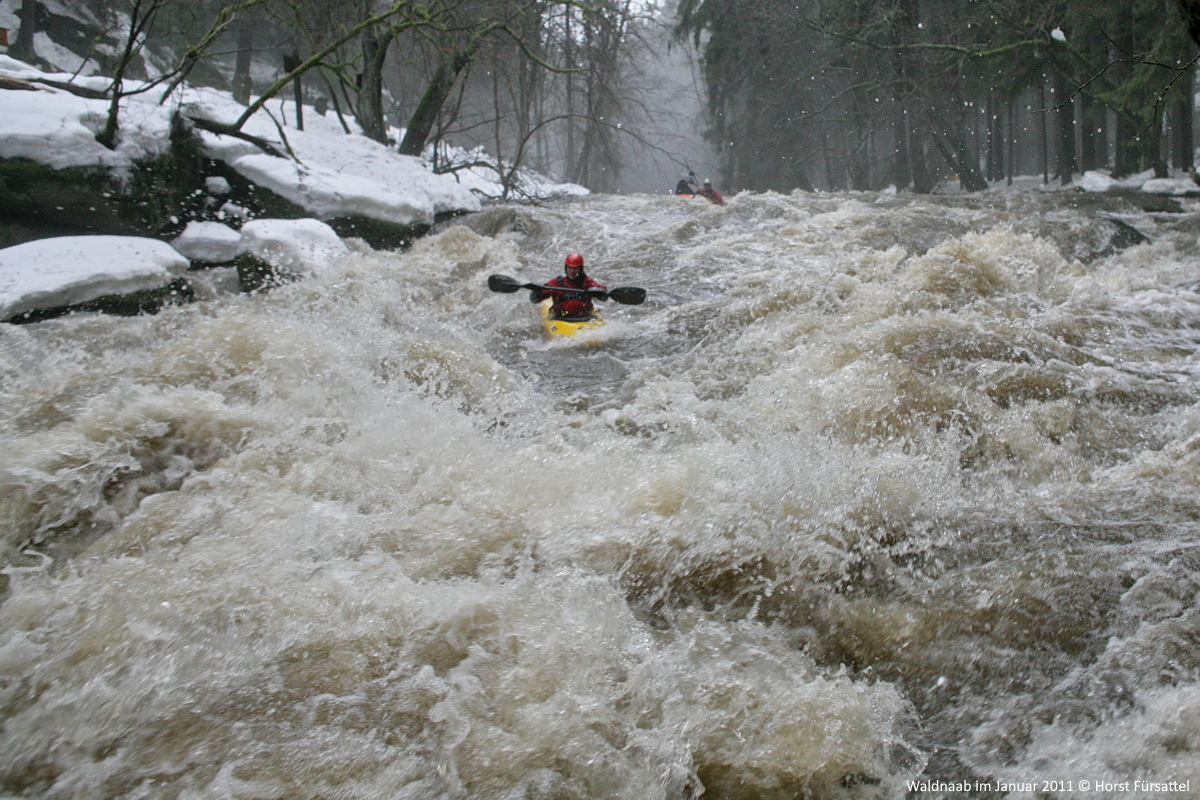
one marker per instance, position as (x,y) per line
(870,488)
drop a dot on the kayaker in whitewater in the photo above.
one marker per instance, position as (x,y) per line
(684,186)
(569,305)
(708,191)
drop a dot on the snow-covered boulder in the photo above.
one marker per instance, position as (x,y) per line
(58,129)
(216,185)
(208,242)
(60,273)
(327,193)
(271,250)
(298,245)
(1094,181)
(1171,186)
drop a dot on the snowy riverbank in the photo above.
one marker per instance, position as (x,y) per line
(335,175)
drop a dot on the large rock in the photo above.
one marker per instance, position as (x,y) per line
(208,243)
(272,251)
(114,274)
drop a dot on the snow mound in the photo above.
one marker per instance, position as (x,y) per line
(210,242)
(292,245)
(1171,186)
(1093,181)
(68,270)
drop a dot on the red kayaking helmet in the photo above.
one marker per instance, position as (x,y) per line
(574,260)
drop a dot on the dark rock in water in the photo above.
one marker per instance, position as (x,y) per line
(148,301)
(256,275)
(1126,235)
(1146,201)
(1118,200)
(380,235)
(1102,236)
(37,202)
(497,220)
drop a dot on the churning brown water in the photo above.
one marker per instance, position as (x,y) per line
(873,496)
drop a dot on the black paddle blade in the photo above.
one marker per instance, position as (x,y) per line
(629,295)
(503,284)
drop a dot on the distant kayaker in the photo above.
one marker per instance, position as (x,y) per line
(708,191)
(684,186)
(569,305)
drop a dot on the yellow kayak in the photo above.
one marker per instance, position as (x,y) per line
(567,327)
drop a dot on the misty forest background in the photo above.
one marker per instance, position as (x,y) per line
(623,95)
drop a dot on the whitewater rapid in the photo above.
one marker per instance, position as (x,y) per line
(873,493)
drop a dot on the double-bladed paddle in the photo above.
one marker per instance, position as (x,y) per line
(629,295)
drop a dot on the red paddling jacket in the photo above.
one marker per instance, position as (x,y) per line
(567,305)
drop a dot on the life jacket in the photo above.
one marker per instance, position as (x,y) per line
(570,305)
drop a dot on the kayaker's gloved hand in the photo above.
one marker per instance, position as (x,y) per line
(596,294)
(535,296)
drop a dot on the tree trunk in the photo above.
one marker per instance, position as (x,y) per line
(1191,17)
(1043,135)
(989,113)
(140,19)
(568,44)
(424,117)
(370,93)
(1126,160)
(923,180)
(832,179)
(1011,161)
(910,159)
(1103,124)
(1066,130)
(1184,139)
(858,160)
(1091,155)
(22,48)
(290,64)
(241,67)
(954,149)
(901,169)
(995,140)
